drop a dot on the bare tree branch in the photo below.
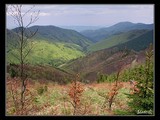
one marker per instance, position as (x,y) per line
(22,43)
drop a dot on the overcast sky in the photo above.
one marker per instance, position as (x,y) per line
(88,15)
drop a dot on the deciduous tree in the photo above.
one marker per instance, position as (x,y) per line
(22,44)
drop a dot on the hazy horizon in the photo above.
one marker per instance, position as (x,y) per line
(80,25)
(87,15)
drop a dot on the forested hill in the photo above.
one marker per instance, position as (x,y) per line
(56,34)
(134,39)
(104,33)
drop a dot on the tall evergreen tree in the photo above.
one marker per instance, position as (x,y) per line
(142,97)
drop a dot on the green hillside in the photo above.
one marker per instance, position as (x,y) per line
(106,32)
(56,47)
(54,54)
(139,43)
(116,40)
(56,34)
(11,37)
(48,50)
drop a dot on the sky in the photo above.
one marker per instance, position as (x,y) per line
(86,15)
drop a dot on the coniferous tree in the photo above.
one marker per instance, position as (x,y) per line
(142,97)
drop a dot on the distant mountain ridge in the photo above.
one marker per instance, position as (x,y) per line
(45,52)
(57,46)
(81,28)
(63,49)
(103,33)
(139,43)
(56,34)
(134,39)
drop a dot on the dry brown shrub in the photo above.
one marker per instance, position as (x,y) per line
(75,92)
(14,98)
(133,88)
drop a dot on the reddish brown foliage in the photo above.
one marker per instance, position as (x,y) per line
(75,92)
(114,91)
(14,98)
(134,88)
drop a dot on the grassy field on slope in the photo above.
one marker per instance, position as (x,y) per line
(139,43)
(50,53)
(54,99)
(56,34)
(116,39)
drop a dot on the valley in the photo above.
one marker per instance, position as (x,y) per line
(97,64)
(69,51)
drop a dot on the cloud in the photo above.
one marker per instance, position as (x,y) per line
(44,14)
(101,14)
(12,13)
(32,13)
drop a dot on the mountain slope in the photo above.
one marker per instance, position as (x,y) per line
(100,34)
(46,50)
(139,43)
(81,28)
(138,37)
(50,53)
(56,34)
(43,73)
(105,61)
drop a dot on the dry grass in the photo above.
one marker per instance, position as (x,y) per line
(55,101)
